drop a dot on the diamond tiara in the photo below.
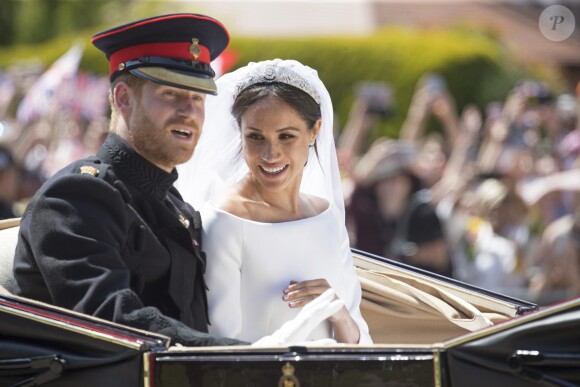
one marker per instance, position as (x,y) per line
(276,74)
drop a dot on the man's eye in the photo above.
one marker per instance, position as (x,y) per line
(170,93)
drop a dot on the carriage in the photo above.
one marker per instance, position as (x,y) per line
(428,330)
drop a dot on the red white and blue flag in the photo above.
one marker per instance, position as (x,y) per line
(84,97)
(39,99)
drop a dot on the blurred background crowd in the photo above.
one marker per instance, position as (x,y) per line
(492,201)
(457,122)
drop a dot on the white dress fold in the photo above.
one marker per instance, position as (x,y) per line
(250,263)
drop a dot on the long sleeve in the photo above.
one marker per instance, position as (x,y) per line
(70,243)
(223,243)
(250,263)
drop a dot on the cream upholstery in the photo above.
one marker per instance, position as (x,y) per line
(403,307)
(8,238)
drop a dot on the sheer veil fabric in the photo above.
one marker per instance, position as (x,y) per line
(217,162)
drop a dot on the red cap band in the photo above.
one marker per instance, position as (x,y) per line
(179,50)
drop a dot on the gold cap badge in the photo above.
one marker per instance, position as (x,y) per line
(194,49)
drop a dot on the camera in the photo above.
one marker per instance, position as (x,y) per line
(378,97)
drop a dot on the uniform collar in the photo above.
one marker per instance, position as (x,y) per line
(133,167)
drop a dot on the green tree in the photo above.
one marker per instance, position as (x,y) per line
(37,21)
(8,11)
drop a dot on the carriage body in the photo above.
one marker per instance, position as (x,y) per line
(414,345)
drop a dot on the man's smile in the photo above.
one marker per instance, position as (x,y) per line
(182,133)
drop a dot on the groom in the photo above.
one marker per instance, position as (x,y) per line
(109,235)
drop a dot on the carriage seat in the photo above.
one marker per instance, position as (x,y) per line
(8,238)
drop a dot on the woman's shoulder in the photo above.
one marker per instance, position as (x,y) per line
(316,204)
(233,203)
(221,230)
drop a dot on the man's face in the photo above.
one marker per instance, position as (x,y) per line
(165,123)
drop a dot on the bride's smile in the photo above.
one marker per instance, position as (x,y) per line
(273,171)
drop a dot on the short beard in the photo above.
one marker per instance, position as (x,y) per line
(146,138)
(149,140)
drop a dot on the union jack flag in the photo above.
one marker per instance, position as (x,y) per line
(39,99)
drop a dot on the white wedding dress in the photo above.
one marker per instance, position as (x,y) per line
(250,263)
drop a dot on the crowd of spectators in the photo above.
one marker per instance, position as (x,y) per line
(491,199)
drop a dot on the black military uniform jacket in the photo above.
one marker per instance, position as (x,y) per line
(111,237)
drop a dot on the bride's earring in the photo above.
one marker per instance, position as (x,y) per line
(310,145)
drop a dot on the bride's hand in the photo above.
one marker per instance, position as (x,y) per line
(299,294)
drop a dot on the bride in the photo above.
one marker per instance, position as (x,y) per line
(274,230)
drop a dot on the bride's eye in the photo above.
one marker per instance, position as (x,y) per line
(286,136)
(254,136)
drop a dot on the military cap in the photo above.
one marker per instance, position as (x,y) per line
(174,49)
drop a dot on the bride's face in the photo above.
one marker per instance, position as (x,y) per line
(275,142)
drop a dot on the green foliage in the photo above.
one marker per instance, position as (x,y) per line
(36,21)
(92,61)
(473,65)
(7,22)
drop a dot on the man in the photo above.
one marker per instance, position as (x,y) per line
(109,235)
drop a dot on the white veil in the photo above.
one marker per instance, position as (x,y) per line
(218,163)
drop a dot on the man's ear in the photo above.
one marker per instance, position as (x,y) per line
(123,97)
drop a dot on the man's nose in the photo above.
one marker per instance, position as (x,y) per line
(187,108)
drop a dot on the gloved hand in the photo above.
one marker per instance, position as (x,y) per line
(297,330)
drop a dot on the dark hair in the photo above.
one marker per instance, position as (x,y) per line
(300,101)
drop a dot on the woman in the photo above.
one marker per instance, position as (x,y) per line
(274,231)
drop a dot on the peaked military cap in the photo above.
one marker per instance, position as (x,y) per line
(174,50)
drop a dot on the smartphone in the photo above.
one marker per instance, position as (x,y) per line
(378,96)
(434,83)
